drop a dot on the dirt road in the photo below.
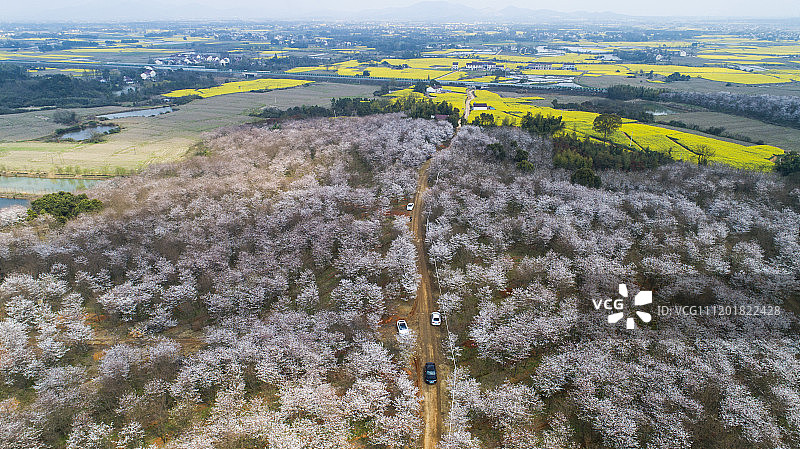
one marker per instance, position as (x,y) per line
(467,103)
(428,337)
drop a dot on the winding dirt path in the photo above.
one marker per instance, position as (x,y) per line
(467,103)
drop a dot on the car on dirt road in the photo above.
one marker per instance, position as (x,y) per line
(410,206)
(402,327)
(430,373)
(436,319)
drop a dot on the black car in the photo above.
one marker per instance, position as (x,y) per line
(430,373)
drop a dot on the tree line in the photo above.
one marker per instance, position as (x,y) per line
(18,89)
(413,107)
(778,109)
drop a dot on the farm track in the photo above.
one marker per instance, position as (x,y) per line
(428,337)
(467,102)
(429,347)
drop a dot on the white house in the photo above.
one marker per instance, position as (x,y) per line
(482,65)
(149,73)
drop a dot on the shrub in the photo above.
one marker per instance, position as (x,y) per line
(63,205)
(585,177)
(704,154)
(788,163)
(484,119)
(571,160)
(627,92)
(542,125)
(525,165)
(676,76)
(65,117)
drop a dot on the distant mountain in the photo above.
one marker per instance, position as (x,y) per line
(444,11)
(427,11)
(516,14)
(523,14)
(432,11)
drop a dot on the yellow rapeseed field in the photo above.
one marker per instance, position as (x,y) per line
(453,76)
(238,86)
(681,145)
(440,68)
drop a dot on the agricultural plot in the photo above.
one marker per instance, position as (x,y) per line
(146,140)
(693,85)
(386,72)
(585,65)
(37,124)
(781,136)
(680,144)
(238,87)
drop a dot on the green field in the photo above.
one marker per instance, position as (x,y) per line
(692,85)
(779,136)
(145,140)
(36,124)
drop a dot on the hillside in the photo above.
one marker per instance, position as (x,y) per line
(247,297)
(239,298)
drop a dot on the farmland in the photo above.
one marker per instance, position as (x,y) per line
(680,144)
(144,140)
(735,127)
(739,60)
(780,136)
(238,87)
(705,67)
(705,61)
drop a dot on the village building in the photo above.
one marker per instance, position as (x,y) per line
(540,66)
(483,65)
(149,73)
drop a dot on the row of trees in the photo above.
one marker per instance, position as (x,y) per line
(779,109)
(19,90)
(414,107)
(631,110)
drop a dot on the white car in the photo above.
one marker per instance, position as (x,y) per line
(402,327)
(410,206)
(436,319)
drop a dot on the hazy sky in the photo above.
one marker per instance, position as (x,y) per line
(87,10)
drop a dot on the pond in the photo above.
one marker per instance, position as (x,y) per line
(39,186)
(87,133)
(138,113)
(8,202)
